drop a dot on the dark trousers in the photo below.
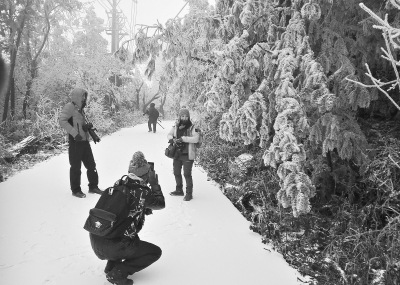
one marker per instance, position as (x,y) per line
(149,123)
(183,161)
(81,152)
(124,254)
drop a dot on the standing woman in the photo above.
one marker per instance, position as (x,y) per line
(183,133)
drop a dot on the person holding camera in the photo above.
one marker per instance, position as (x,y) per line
(72,119)
(184,135)
(128,254)
(139,166)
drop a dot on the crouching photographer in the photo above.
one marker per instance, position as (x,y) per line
(119,243)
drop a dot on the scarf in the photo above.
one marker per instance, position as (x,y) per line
(182,128)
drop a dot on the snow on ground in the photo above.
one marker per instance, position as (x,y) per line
(205,241)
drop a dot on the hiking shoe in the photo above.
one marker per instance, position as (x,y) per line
(149,131)
(177,193)
(125,281)
(188,197)
(95,190)
(111,264)
(78,194)
(116,277)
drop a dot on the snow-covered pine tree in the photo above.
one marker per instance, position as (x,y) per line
(277,71)
(306,98)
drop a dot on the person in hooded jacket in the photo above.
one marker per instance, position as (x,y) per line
(153,117)
(184,135)
(72,119)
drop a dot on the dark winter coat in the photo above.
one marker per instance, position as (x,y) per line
(153,114)
(140,200)
(71,118)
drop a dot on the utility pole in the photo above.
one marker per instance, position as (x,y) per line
(116,23)
(114,28)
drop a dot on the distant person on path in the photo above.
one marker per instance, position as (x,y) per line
(128,254)
(183,133)
(153,117)
(72,120)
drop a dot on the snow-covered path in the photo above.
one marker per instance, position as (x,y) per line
(205,241)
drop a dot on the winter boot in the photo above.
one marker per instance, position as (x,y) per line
(188,197)
(177,192)
(79,194)
(95,190)
(116,277)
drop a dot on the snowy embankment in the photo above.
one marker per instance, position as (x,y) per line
(205,241)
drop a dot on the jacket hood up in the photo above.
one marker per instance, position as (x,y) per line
(78,95)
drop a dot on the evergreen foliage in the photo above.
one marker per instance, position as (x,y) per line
(280,78)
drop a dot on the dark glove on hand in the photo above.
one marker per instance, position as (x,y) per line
(148,211)
(153,178)
(171,141)
(86,127)
(78,138)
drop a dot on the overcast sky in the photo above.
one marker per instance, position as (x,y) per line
(145,12)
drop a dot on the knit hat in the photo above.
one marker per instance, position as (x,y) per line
(184,112)
(139,166)
(152,104)
(138,159)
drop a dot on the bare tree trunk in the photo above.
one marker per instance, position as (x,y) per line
(138,96)
(163,99)
(13,58)
(34,64)
(155,97)
(12,97)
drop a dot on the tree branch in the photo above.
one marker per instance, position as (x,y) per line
(46,35)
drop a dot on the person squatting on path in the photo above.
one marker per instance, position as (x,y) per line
(153,117)
(184,135)
(128,254)
(72,120)
(139,166)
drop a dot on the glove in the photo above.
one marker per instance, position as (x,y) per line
(78,138)
(86,127)
(171,141)
(153,178)
(148,211)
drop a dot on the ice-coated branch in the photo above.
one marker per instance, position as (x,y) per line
(377,85)
(389,33)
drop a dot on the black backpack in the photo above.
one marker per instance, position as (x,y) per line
(109,218)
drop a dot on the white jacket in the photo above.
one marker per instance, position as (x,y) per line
(192,139)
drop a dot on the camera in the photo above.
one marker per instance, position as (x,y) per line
(151,165)
(91,130)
